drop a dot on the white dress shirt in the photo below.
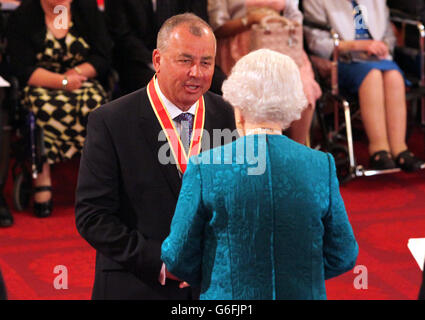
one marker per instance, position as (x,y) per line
(172,109)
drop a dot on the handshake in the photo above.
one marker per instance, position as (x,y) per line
(165,274)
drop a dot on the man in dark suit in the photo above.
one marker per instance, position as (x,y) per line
(3,295)
(127,189)
(134,25)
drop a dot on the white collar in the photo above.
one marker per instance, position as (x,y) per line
(172,109)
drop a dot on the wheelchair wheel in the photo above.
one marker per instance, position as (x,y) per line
(342,162)
(22,190)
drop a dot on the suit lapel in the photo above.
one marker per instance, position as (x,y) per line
(150,129)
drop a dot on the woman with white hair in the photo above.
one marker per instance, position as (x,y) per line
(275,233)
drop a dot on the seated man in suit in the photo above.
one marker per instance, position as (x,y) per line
(126,193)
(134,25)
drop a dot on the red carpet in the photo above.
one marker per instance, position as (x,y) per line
(385,212)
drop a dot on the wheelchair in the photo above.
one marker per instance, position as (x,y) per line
(27,142)
(336,110)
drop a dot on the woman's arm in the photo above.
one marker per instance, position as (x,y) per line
(85,69)
(292,12)
(319,42)
(235,26)
(47,79)
(340,248)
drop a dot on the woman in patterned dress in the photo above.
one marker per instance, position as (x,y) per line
(58,50)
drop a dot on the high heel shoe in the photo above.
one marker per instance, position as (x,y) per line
(43,209)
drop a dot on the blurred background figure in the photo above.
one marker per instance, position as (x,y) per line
(243,235)
(232,21)
(59,58)
(366,69)
(134,25)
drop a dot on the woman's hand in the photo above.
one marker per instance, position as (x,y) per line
(377,48)
(255,17)
(75,81)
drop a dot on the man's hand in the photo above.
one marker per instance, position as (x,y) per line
(169,275)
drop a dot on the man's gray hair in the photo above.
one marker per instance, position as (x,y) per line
(196,27)
(266,86)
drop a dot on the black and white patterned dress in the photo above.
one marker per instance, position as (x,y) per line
(63,114)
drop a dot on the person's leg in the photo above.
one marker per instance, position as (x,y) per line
(395,109)
(372,108)
(300,129)
(43,180)
(396,114)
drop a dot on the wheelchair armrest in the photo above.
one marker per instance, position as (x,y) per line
(316,25)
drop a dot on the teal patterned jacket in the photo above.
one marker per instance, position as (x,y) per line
(260,218)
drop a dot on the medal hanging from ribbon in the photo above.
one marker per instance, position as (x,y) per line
(170,131)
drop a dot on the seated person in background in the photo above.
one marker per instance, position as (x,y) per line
(57,61)
(367,70)
(134,25)
(244,234)
(232,20)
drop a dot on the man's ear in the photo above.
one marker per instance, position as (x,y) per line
(156,60)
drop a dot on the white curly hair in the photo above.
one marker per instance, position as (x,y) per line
(266,86)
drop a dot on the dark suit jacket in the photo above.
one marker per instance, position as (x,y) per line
(134,26)
(126,199)
(26,32)
(3,295)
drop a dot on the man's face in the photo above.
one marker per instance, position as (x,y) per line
(186,67)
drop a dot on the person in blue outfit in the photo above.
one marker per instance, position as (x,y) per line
(366,69)
(262,217)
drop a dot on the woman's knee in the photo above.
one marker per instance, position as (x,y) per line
(374,75)
(393,77)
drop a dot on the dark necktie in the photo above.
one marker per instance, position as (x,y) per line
(186,121)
